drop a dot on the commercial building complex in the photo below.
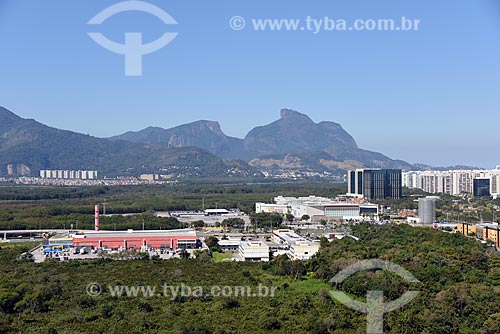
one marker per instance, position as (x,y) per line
(484,232)
(454,182)
(320,208)
(272,208)
(303,250)
(124,240)
(253,251)
(374,184)
(299,248)
(282,241)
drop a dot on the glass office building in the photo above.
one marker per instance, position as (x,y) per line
(375,184)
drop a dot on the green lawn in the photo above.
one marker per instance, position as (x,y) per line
(220,257)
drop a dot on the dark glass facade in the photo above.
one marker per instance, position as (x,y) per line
(352,182)
(382,183)
(481,187)
(360,183)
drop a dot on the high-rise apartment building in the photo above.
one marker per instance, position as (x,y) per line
(68,174)
(454,182)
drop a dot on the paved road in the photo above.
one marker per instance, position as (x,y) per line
(18,232)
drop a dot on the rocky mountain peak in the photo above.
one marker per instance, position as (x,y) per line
(290,114)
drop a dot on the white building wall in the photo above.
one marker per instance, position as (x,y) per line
(254,251)
(271,208)
(303,251)
(67,174)
(450,182)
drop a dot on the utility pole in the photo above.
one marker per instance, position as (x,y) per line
(143,224)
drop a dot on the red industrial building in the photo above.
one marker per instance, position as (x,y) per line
(163,239)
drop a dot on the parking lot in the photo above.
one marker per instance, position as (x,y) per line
(75,253)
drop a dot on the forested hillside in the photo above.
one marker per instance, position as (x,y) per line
(459,287)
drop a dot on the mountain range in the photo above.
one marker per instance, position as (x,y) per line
(27,146)
(292,144)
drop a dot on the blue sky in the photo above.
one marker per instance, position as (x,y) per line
(429,96)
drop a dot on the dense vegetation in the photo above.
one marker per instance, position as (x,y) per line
(459,277)
(33,207)
(448,207)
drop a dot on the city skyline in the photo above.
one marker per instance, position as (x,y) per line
(420,96)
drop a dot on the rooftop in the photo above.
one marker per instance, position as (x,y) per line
(141,233)
(231,242)
(289,236)
(317,201)
(216,211)
(253,244)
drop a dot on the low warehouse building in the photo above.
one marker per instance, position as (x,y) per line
(163,239)
(320,208)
